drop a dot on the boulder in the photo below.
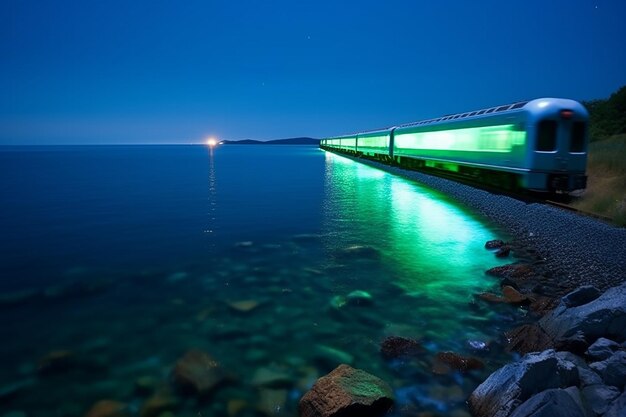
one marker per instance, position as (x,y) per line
(580,296)
(198,373)
(617,407)
(512,271)
(512,296)
(612,370)
(395,347)
(450,361)
(515,383)
(602,349)
(527,338)
(552,403)
(347,391)
(503,252)
(605,316)
(598,397)
(108,408)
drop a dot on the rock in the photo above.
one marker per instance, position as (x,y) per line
(272,377)
(57,361)
(617,407)
(359,297)
(541,304)
(601,349)
(527,338)
(589,377)
(108,408)
(512,271)
(515,383)
(197,372)
(580,296)
(243,306)
(575,343)
(159,403)
(448,361)
(605,316)
(598,397)
(491,298)
(551,403)
(338,301)
(612,370)
(512,296)
(345,392)
(395,347)
(359,252)
(503,252)
(494,244)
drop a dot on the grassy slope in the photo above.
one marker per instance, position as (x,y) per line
(606,188)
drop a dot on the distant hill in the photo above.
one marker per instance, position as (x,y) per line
(290,141)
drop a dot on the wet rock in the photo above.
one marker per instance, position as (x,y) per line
(612,370)
(598,397)
(512,271)
(617,407)
(575,343)
(494,244)
(198,373)
(345,392)
(108,408)
(512,296)
(57,361)
(541,304)
(359,252)
(602,349)
(272,377)
(605,316)
(580,296)
(491,298)
(446,362)
(359,298)
(512,384)
(159,403)
(243,306)
(395,347)
(503,252)
(551,403)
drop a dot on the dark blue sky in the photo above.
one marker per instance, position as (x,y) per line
(179,71)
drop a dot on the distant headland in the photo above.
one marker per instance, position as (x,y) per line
(289,141)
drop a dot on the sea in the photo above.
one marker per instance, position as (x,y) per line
(276,262)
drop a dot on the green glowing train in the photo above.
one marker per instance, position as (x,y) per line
(538,145)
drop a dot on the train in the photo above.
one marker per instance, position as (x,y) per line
(538,145)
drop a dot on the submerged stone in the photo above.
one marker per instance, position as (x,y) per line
(244,306)
(359,297)
(446,362)
(395,347)
(197,372)
(347,391)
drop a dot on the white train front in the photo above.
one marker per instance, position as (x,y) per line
(538,145)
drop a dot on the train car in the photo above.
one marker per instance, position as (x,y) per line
(538,145)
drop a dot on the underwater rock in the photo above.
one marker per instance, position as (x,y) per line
(57,361)
(445,362)
(272,401)
(338,301)
(359,298)
(512,271)
(272,377)
(512,296)
(198,373)
(515,383)
(243,306)
(159,403)
(108,408)
(494,244)
(347,391)
(491,298)
(395,347)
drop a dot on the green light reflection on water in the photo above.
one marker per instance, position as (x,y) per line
(431,246)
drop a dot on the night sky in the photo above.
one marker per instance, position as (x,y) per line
(179,71)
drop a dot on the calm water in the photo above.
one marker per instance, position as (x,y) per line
(128,256)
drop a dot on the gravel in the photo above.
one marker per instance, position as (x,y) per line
(576,250)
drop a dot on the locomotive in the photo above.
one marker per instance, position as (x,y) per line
(537,145)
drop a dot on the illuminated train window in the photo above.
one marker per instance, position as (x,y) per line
(546,136)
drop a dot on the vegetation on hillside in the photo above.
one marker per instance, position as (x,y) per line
(607,117)
(606,188)
(606,166)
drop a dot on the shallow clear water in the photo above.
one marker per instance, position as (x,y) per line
(128,256)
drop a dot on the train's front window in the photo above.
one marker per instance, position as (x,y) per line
(577,143)
(546,136)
